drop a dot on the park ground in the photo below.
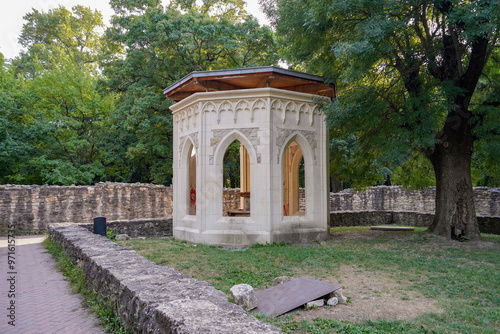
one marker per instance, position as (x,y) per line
(404,282)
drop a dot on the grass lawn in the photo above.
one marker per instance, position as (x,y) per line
(401,282)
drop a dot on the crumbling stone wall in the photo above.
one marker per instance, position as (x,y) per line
(396,205)
(31,207)
(397,198)
(231,200)
(151,298)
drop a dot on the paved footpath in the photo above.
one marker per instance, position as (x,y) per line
(43,301)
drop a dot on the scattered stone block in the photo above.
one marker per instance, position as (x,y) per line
(281,279)
(315,303)
(122,237)
(332,301)
(244,296)
(340,296)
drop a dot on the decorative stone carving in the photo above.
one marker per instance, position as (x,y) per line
(187,117)
(182,142)
(236,108)
(284,134)
(251,134)
(288,108)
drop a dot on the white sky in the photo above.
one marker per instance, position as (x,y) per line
(12,12)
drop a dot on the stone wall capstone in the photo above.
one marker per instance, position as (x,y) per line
(32,207)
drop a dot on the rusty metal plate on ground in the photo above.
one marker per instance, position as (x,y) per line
(285,297)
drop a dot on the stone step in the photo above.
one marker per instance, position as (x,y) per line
(392,228)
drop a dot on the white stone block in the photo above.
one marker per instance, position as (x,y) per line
(244,296)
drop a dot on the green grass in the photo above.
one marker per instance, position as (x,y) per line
(464,278)
(101,307)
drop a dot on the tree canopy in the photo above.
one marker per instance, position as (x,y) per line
(83,102)
(416,78)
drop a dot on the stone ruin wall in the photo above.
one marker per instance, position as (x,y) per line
(32,207)
(388,198)
(397,198)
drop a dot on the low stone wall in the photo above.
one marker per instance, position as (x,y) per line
(372,218)
(151,298)
(397,198)
(149,228)
(32,207)
(418,219)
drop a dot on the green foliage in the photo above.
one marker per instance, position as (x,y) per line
(73,113)
(83,103)
(399,84)
(416,172)
(111,234)
(48,35)
(231,166)
(158,47)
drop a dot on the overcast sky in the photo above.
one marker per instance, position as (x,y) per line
(11,17)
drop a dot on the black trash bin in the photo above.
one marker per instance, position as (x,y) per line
(100,225)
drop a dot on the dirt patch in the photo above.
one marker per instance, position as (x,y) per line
(371,297)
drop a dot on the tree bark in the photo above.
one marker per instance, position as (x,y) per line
(455,215)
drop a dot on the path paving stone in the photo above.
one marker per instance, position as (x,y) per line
(44,303)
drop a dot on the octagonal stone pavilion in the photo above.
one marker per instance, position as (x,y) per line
(273,113)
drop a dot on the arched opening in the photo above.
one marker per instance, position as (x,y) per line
(236,174)
(293,181)
(192,182)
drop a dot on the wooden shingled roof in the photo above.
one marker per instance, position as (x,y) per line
(246,78)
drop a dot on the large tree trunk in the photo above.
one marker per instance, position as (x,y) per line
(455,215)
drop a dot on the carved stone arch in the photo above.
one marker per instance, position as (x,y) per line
(313,110)
(187,177)
(301,108)
(291,107)
(210,107)
(225,106)
(303,142)
(241,106)
(189,116)
(227,140)
(278,107)
(185,144)
(258,104)
(291,156)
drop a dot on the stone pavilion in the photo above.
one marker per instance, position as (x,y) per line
(274,115)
